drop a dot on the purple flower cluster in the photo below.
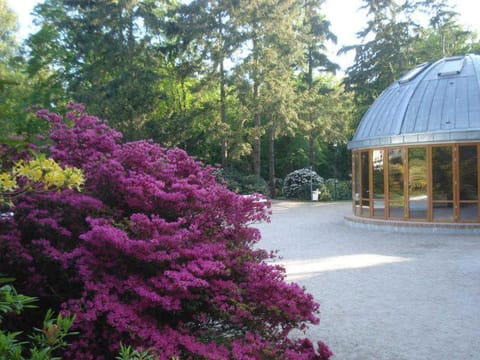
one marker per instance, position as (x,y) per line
(154,253)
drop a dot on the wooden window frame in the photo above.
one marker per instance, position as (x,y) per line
(387,181)
(428,158)
(459,202)
(372,195)
(456,201)
(454,181)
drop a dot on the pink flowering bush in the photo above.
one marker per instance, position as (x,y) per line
(154,254)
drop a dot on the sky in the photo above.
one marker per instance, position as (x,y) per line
(345,17)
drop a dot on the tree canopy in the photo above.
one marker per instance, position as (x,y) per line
(245,83)
(396,37)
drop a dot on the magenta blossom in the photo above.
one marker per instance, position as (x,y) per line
(154,253)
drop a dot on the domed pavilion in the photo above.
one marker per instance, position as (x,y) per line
(416,151)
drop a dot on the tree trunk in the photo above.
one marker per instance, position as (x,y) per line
(223,101)
(311,152)
(223,114)
(271,158)
(311,120)
(257,120)
(257,151)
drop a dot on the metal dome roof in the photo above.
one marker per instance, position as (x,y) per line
(432,103)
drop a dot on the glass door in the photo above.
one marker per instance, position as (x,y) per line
(396,183)
(417,183)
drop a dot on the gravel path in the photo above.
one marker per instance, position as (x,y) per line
(383,296)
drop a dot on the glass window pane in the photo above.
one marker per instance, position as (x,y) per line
(365,208)
(468,172)
(451,66)
(469,212)
(356,190)
(442,173)
(378,183)
(379,208)
(418,209)
(417,183)
(443,211)
(365,168)
(396,210)
(395,182)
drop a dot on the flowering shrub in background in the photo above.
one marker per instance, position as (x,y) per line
(40,173)
(49,173)
(297,184)
(153,254)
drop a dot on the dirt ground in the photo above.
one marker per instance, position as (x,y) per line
(383,295)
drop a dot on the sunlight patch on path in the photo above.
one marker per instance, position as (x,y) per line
(301,269)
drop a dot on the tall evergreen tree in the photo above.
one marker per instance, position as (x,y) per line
(8,25)
(444,36)
(106,54)
(395,40)
(385,51)
(8,28)
(279,108)
(268,30)
(314,32)
(326,111)
(8,44)
(10,74)
(208,27)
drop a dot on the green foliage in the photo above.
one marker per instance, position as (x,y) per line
(294,154)
(10,300)
(242,83)
(129,353)
(445,36)
(339,189)
(5,82)
(52,336)
(10,347)
(333,160)
(241,183)
(162,71)
(326,114)
(324,193)
(10,75)
(43,343)
(393,41)
(324,108)
(104,53)
(268,31)
(383,57)
(8,27)
(210,28)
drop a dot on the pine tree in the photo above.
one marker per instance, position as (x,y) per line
(314,30)
(107,54)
